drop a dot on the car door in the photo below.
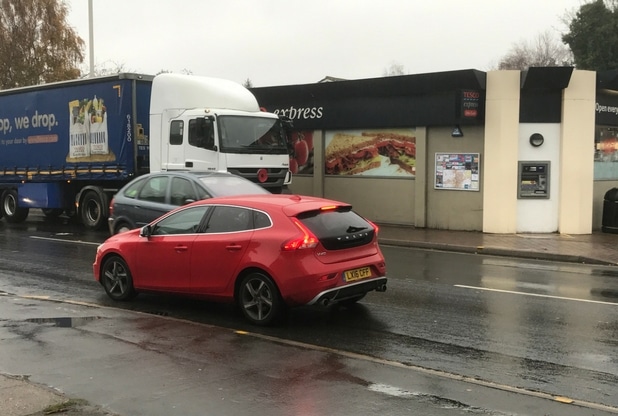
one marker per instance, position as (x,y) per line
(152,200)
(218,252)
(164,257)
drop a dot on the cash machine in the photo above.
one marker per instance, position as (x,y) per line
(533,180)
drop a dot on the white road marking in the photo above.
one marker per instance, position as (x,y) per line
(512,292)
(60,240)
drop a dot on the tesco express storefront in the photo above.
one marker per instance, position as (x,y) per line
(498,152)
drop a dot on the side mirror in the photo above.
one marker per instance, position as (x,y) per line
(146,231)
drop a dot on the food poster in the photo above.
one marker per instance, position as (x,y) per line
(89,137)
(301,150)
(457,171)
(383,152)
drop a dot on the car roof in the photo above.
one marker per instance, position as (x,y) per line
(291,204)
(189,173)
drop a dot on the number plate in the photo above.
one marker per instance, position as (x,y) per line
(357,274)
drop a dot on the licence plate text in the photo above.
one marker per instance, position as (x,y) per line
(357,274)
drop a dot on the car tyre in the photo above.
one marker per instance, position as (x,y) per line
(259,299)
(116,279)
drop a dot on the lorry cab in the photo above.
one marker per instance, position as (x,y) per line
(209,124)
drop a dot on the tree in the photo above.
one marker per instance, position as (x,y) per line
(544,50)
(106,68)
(36,43)
(248,83)
(394,70)
(593,36)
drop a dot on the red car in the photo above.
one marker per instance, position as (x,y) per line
(264,252)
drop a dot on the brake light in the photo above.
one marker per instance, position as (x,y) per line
(111,207)
(306,240)
(328,208)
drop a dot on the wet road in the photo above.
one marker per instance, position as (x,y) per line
(539,326)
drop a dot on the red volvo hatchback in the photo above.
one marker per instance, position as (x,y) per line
(264,252)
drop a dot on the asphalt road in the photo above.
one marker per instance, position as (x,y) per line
(529,327)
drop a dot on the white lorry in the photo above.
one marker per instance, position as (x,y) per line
(205,124)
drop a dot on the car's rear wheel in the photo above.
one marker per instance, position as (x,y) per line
(116,279)
(259,299)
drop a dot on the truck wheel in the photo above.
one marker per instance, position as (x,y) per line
(9,209)
(92,211)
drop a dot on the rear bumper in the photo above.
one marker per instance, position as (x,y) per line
(341,293)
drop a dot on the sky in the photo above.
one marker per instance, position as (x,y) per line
(286,42)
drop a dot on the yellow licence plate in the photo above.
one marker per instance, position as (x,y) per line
(357,274)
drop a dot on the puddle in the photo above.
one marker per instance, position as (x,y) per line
(64,322)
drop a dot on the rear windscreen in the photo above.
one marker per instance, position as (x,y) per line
(338,229)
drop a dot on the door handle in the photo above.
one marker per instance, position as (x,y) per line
(180,249)
(233,247)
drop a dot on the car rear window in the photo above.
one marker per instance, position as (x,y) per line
(232,185)
(338,229)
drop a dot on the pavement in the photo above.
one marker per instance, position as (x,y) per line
(21,397)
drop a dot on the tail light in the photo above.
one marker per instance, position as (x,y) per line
(111,207)
(374,225)
(306,240)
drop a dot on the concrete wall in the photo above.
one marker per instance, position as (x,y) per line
(500,153)
(577,154)
(383,200)
(540,215)
(453,209)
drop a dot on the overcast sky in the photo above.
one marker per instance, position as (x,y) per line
(283,42)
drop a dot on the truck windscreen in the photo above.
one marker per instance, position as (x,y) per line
(242,134)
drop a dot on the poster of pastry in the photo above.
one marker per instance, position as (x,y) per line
(384,152)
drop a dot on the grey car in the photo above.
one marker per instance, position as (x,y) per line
(147,197)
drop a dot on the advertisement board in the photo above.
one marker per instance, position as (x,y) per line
(457,171)
(385,152)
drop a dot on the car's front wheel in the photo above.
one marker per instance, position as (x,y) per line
(259,299)
(116,279)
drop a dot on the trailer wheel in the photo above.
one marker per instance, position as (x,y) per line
(92,211)
(9,209)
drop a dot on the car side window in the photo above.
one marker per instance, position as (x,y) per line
(227,219)
(261,220)
(133,189)
(186,221)
(154,189)
(182,192)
